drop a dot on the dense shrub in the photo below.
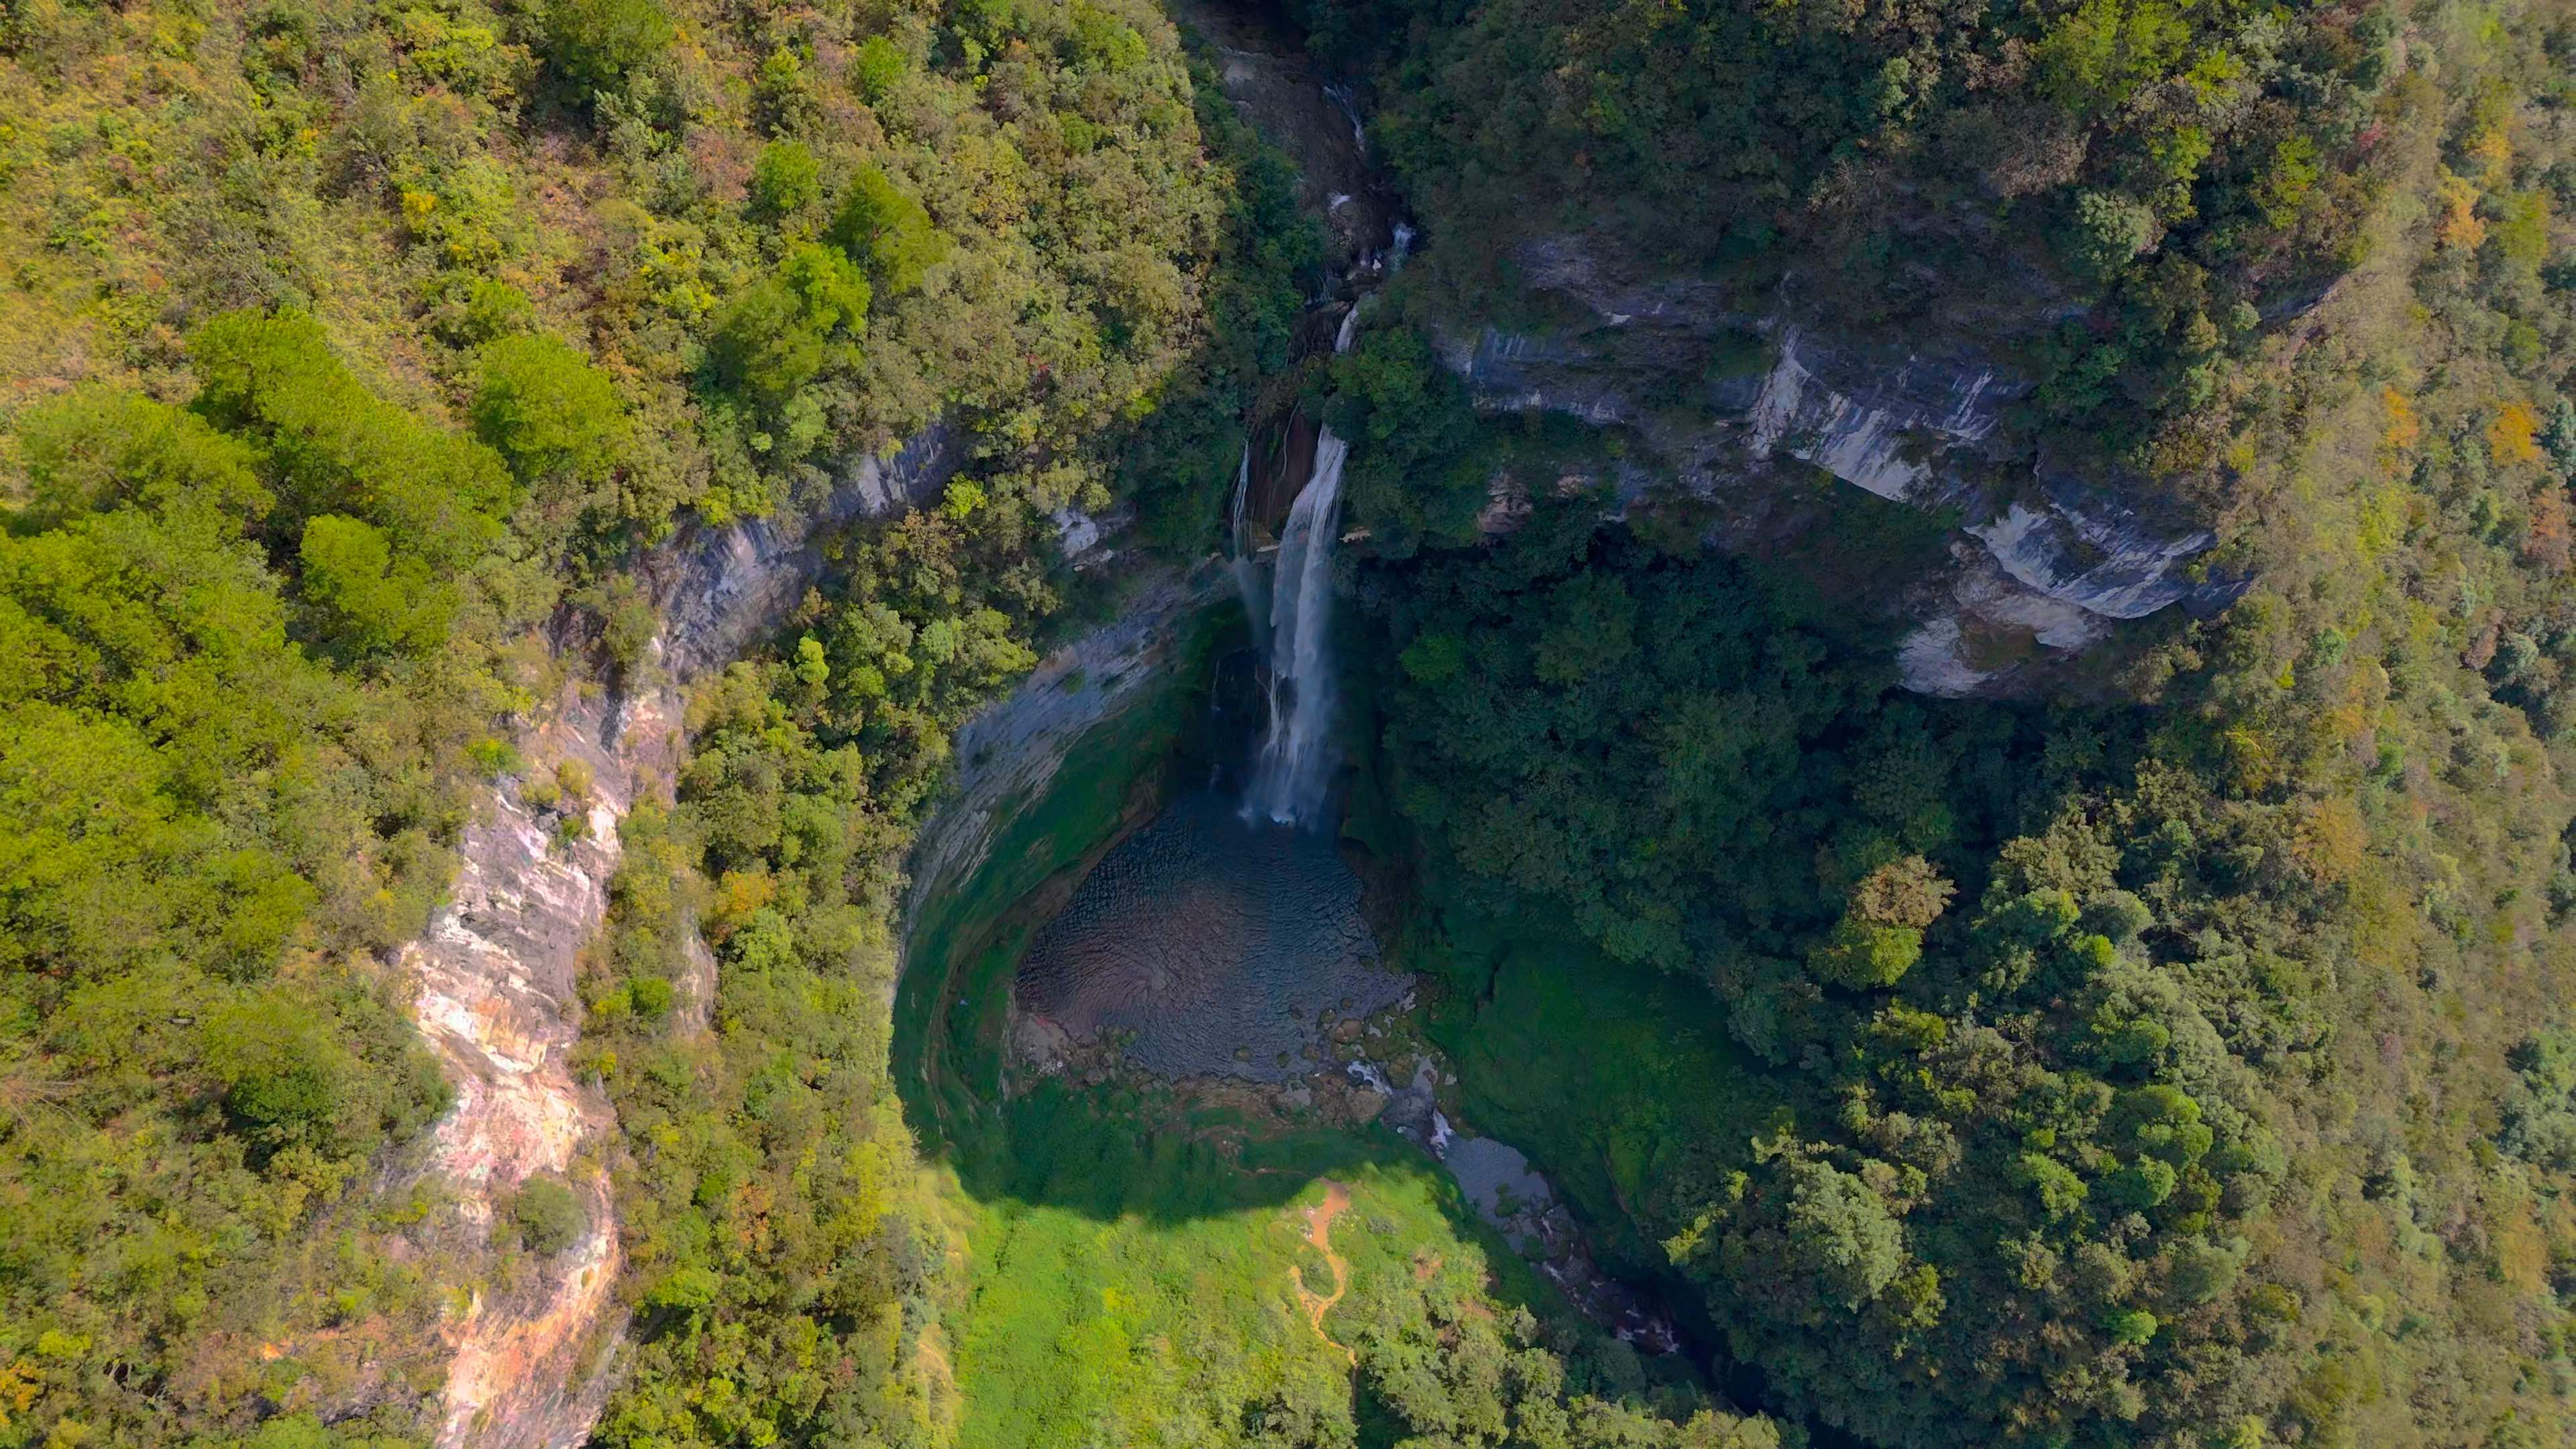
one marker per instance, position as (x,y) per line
(546,1214)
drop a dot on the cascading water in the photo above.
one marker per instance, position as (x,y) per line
(1247,570)
(1289,774)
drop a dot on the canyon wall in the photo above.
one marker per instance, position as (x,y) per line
(1724,395)
(1007,754)
(498,970)
(1728,393)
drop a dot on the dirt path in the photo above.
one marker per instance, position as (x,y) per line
(1319,1231)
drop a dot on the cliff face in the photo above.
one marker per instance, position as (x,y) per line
(498,971)
(1726,395)
(497,976)
(1007,754)
(1275,86)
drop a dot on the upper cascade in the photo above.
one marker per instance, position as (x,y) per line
(1241,560)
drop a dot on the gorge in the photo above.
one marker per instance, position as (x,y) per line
(1347,724)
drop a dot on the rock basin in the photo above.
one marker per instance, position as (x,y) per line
(1212,946)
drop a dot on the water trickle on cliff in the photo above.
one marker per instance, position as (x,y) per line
(1248,582)
(1291,771)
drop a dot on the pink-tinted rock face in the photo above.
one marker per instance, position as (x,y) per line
(497,998)
(497,972)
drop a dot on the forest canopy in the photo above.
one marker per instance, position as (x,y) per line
(399,330)
(2173,1055)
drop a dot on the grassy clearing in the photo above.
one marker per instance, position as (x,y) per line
(1165,1322)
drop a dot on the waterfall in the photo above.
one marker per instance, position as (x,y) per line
(1289,773)
(1247,569)
(1288,779)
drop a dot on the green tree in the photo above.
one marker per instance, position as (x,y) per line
(1841,1234)
(546,1214)
(786,180)
(286,1081)
(2106,232)
(1420,466)
(594,45)
(97,447)
(330,445)
(1809,1242)
(2093,59)
(546,410)
(762,345)
(879,67)
(369,601)
(888,233)
(834,293)
(1864,957)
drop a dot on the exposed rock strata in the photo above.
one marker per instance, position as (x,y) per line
(497,971)
(1007,754)
(1722,393)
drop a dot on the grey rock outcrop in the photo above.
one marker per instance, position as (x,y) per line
(1007,754)
(1918,425)
(1898,427)
(718,588)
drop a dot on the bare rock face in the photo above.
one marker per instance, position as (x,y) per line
(2064,558)
(498,970)
(497,998)
(1008,753)
(1281,92)
(720,589)
(1882,425)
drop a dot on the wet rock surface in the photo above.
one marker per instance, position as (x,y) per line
(1276,87)
(1008,754)
(1517,1202)
(1212,945)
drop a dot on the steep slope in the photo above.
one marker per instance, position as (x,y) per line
(499,970)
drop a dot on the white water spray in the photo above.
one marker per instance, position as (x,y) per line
(1288,779)
(1291,772)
